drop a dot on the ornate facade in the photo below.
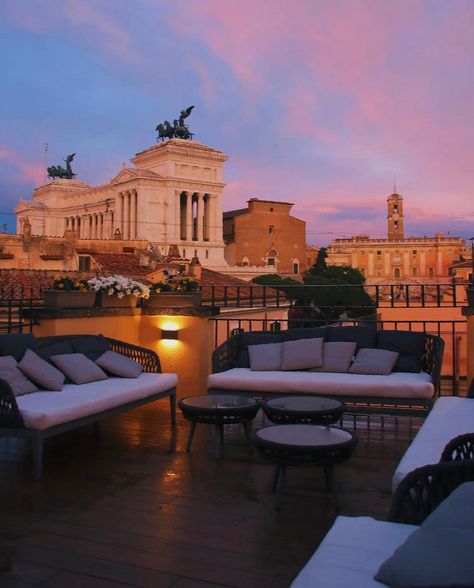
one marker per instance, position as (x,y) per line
(171,197)
(398,258)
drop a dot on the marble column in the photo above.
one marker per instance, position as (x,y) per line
(206,200)
(189,216)
(133,214)
(199,217)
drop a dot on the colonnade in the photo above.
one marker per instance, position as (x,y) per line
(126,214)
(197,216)
(91,226)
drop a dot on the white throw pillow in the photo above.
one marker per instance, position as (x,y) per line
(302,354)
(378,362)
(337,356)
(265,357)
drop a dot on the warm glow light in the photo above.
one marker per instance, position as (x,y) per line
(169,326)
(169,343)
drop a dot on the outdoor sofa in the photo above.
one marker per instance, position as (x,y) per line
(409,388)
(450,417)
(47,412)
(427,540)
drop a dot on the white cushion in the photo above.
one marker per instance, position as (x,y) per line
(449,417)
(302,354)
(45,409)
(394,385)
(265,357)
(351,553)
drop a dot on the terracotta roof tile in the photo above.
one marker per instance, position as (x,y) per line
(126,264)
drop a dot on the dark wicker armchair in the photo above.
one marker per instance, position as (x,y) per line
(423,489)
(460,448)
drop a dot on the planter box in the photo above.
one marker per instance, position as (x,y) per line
(174,299)
(68,299)
(104,300)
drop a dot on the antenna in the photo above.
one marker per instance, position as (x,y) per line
(45,162)
(394,184)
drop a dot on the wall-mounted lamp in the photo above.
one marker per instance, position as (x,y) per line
(169,334)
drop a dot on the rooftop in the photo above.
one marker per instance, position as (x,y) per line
(132,509)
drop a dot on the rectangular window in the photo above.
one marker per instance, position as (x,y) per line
(379,252)
(271,261)
(84,263)
(414,251)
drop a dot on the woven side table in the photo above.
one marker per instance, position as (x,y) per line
(295,444)
(303,409)
(218,410)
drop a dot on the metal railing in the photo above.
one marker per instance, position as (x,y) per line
(447,295)
(16,315)
(453,332)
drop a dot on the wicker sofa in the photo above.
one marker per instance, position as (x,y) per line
(43,414)
(401,392)
(425,542)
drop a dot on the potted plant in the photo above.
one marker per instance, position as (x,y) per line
(117,291)
(69,292)
(179,293)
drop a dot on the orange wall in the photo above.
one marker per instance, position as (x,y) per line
(189,356)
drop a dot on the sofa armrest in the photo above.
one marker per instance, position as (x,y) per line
(146,357)
(10,415)
(433,358)
(225,356)
(423,489)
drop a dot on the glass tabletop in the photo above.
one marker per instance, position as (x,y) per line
(304,435)
(219,401)
(302,403)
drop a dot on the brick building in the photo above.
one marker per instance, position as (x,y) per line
(265,235)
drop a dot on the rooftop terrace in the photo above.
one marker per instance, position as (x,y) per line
(131,508)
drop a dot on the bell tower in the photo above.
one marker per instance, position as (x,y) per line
(395,216)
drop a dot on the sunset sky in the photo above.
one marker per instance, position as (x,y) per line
(315,102)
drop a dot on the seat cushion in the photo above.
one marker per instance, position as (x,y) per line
(374,362)
(443,542)
(363,336)
(302,354)
(16,344)
(395,385)
(265,357)
(449,417)
(351,553)
(337,356)
(45,409)
(16,379)
(254,338)
(78,368)
(119,365)
(409,344)
(41,372)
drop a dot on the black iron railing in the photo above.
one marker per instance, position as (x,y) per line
(445,295)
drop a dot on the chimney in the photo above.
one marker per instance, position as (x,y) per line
(195,269)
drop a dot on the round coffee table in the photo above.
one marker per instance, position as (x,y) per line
(218,410)
(296,444)
(303,409)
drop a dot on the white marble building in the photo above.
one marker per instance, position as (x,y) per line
(171,196)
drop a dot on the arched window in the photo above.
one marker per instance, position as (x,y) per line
(396,272)
(272,257)
(296,266)
(245,261)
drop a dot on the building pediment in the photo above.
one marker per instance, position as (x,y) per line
(24,205)
(127,173)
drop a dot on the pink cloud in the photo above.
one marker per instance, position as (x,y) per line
(28,170)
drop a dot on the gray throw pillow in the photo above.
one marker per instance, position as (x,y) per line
(78,368)
(439,553)
(337,356)
(119,365)
(265,357)
(18,382)
(41,372)
(302,354)
(378,362)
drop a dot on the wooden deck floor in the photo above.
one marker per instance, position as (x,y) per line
(132,508)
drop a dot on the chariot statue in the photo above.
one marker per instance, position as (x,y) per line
(57,171)
(178,130)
